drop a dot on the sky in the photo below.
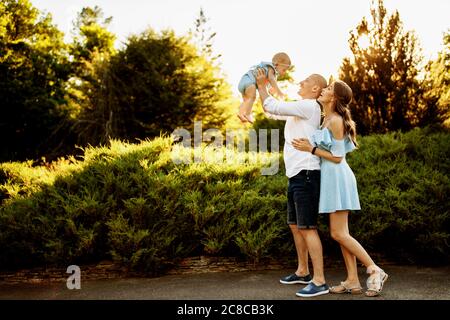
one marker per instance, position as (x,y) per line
(314,33)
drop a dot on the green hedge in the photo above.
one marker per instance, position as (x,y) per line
(132,203)
(404,186)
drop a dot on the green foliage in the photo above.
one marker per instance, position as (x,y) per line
(259,225)
(132,203)
(404,182)
(156,84)
(33,73)
(437,87)
(55,95)
(383,75)
(127,202)
(91,51)
(91,34)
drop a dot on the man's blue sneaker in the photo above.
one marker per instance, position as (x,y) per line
(311,290)
(293,279)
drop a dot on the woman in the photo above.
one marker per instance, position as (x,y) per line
(338,191)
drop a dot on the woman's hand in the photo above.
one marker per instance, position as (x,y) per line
(302,144)
(260,77)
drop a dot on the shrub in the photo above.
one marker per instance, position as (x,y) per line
(403,180)
(133,204)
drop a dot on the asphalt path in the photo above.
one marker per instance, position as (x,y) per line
(404,283)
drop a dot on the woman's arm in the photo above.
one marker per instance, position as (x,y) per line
(327,155)
(336,126)
(304,145)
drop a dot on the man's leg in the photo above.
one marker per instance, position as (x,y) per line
(314,246)
(306,198)
(302,251)
(302,273)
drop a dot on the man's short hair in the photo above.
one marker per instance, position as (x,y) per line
(319,80)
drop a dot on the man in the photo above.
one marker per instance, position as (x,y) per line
(303,170)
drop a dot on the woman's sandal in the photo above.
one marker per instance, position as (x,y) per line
(375,283)
(342,288)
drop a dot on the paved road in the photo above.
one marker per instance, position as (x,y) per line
(405,282)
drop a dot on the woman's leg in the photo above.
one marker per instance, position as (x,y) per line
(352,280)
(350,264)
(340,233)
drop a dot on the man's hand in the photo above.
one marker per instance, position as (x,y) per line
(261,81)
(280,94)
(276,93)
(260,77)
(302,144)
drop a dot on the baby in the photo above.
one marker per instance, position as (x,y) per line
(247,86)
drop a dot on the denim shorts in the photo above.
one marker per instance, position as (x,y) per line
(246,81)
(303,199)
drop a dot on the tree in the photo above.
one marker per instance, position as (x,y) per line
(203,38)
(92,41)
(437,87)
(157,83)
(33,72)
(91,51)
(383,75)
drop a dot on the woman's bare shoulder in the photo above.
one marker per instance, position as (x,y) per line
(336,125)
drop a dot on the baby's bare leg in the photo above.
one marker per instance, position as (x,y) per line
(245,109)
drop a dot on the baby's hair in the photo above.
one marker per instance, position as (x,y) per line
(281,57)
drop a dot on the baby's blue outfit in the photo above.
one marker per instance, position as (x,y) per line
(249,78)
(338,190)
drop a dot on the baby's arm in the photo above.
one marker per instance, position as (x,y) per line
(274,84)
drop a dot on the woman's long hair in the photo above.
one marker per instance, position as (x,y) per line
(344,95)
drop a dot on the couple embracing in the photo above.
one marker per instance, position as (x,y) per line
(320,181)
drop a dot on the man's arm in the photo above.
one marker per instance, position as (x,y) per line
(274,84)
(336,125)
(261,84)
(275,117)
(303,144)
(302,108)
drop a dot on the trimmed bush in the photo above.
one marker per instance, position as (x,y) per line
(404,183)
(132,203)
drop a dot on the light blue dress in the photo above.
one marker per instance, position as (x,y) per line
(338,190)
(249,78)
